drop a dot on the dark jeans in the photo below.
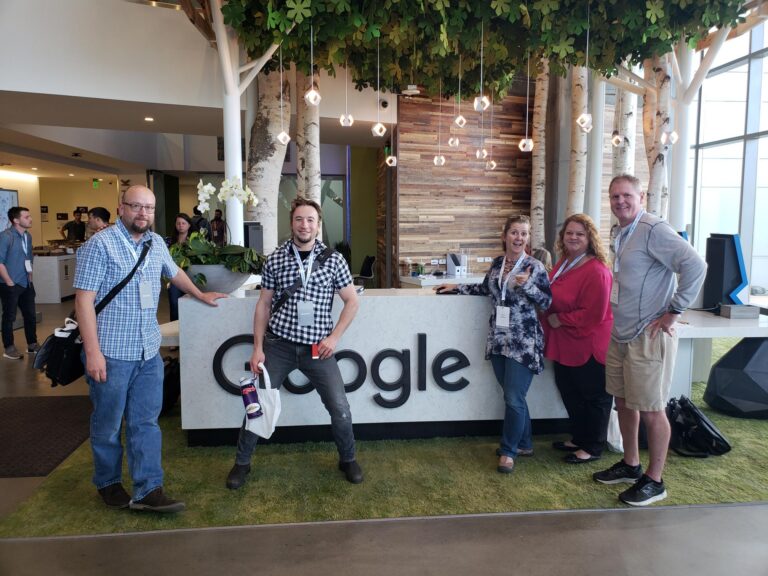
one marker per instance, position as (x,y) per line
(514,379)
(22,297)
(282,357)
(587,403)
(173,301)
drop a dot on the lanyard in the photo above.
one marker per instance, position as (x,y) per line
(304,273)
(515,268)
(566,267)
(24,244)
(617,243)
(135,256)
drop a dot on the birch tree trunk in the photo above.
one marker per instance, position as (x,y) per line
(301,137)
(577,177)
(538,157)
(625,122)
(655,122)
(663,126)
(311,154)
(266,154)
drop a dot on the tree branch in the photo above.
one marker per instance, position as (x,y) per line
(624,85)
(222,42)
(698,79)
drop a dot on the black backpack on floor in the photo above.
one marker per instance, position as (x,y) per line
(171,383)
(693,434)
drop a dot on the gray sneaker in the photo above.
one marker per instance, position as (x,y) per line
(12,353)
(618,473)
(33,348)
(644,492)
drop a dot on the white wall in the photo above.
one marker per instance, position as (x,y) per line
(29,197)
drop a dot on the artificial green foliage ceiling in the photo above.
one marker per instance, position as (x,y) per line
(427,36)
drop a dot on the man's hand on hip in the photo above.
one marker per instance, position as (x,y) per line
(664,323)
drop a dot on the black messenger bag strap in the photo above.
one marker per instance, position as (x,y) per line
(291,290)
(116,290)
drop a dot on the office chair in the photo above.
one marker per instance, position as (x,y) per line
(366,271)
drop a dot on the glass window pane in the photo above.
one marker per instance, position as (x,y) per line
(759,269)
(731,50)
(724,105)
(763,62)
(719,195)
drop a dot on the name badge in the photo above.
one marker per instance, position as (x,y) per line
(28,266)
(615,293)
(306,312)
(502,316)
(145,295)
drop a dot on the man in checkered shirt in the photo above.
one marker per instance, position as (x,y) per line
(122,366)
(283,339)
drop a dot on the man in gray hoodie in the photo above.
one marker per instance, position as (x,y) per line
(647,300)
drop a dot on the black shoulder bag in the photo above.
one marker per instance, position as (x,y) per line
(59,356)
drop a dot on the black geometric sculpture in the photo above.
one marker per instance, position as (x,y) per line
(738,382)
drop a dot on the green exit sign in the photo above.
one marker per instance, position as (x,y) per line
(95,183)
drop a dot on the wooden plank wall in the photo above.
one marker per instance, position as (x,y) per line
(461,205)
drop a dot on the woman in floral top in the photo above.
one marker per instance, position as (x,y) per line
(518,285)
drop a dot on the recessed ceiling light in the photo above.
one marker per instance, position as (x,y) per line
(71,174)
(148,119)
(35,169)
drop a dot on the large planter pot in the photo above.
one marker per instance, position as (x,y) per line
(218,278)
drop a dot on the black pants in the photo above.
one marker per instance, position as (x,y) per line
(22,297)
(588,404)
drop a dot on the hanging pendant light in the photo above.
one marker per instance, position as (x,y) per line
(526,144)
(312,97)
(439,159)
(412,89)
(378,129)
(346,119)
(491,163)
(283,137)
(481,102)
(669,137)
(585,120)
(460,121)
(616,139)
(391,159)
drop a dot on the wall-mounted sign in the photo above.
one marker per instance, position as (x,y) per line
(43,209)
(83,209)
(62,216)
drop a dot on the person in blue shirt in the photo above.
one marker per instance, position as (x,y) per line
(16,288)
(122,366)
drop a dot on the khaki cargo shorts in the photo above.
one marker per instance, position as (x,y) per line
(640,371)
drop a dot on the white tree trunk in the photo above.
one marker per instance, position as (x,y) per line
(663,125)
(301,137)
(577,177)
(625,122)
(655,122)
(538,157)
(311,154)
(266,154)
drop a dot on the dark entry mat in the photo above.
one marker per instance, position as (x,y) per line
(37,434)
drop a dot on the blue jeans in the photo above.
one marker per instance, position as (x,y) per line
(281,358)
(173,301)
(515,379)
(134,390)
(23,298)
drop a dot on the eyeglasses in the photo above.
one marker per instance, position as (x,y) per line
(148,208)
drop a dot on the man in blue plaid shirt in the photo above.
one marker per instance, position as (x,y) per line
(122,366)
(283,338)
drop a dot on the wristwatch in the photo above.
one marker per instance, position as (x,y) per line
(672,310)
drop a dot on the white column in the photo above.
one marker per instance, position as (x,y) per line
(233,160)
(679,213)
(596,137)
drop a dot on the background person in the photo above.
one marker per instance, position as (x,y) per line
(647,300)
(98,219)
(283,339)
(74,230)
(16,288)
(218,229)
(517,284)
(200,223)
(122,366)
(577,329)
(180,235)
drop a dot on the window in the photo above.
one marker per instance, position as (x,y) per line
(724,105)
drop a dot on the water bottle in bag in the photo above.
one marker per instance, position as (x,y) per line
(249,390)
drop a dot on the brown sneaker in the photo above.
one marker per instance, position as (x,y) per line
(157,501)
(506,465)
(115,496)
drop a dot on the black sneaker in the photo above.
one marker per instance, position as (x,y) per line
(237,475)
(352,471)
(157,501)
(645,491)
(115,496)
(618,473)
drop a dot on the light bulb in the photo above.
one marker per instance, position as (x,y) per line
(453,142)
(673,137)
(585,122)
(616,139)
(283,138)
(481,103)
(439,160)
(379,129)
(312,97)
(391,161)
(460,121)
(490,165)
(526,145)
(346,120)
(481,153)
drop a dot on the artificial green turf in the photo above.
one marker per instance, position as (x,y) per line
(300,482)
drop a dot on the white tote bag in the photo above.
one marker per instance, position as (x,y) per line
(269,398)
(615,443)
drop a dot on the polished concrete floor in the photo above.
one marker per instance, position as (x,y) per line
(698,540)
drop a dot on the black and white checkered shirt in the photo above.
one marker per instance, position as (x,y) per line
(281,270)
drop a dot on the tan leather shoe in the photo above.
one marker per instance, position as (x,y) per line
(506,465)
